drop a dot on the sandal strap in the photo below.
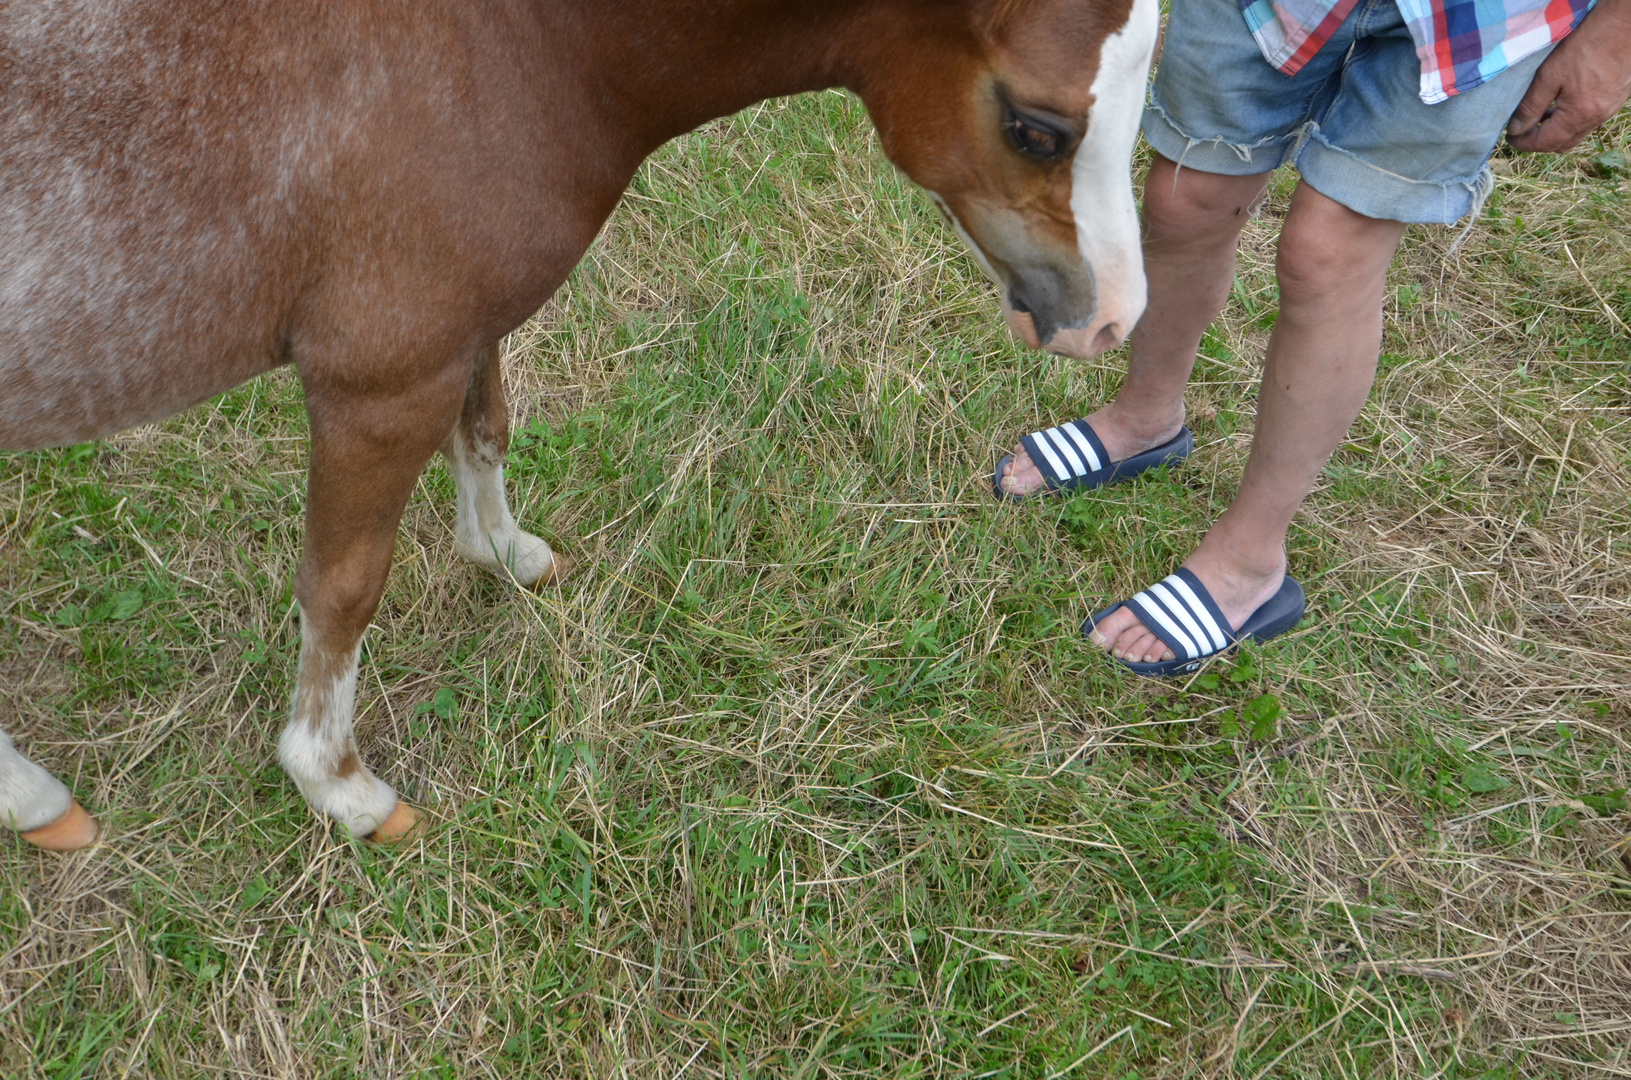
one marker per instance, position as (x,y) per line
(1067,455)
(1178,610)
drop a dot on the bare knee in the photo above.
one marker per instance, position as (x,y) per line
(1309,274)
(1332,257)
(1185,207)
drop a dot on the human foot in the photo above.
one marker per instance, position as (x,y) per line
(1020,475)
(1237,589)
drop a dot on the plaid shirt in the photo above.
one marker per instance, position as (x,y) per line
(1462,43)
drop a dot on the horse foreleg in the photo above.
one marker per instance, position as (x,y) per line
(486,532)
(38,805)
(366,453)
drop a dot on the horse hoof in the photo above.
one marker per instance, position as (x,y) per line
(75,829)
(561,566)
(401,821)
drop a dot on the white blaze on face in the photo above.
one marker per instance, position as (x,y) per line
(1101,197)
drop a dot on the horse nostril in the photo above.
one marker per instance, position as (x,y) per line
(1109,337)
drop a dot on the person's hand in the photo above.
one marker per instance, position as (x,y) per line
(1584,82)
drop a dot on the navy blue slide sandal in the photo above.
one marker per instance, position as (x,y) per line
(1071,458)
(1180,612)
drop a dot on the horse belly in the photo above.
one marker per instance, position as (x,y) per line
(96,339)
(56,398)
(150,232)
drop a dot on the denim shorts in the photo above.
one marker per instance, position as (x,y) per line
(1351,120)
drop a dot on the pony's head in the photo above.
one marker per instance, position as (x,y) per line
(1019,118)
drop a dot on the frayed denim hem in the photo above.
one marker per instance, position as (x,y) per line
(1161,140)
(1376,192)
(1336,173)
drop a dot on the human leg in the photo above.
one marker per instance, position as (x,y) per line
(1192,223)
(1372,156)
(1331,268)
(1220,121)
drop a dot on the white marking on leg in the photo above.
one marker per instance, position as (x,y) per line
(486,532)
(1101,194)
(318,749)
(29,796)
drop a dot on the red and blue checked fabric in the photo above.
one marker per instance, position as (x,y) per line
(1461,43)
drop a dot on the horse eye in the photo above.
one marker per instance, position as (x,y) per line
(1034,137)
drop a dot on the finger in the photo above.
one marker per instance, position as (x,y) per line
(1543,90)
(1544,140)
(1563,130)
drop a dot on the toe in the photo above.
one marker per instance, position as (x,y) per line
(1146,648)
(1123,636)
(1022,477)
(1135,644)
(1110,631)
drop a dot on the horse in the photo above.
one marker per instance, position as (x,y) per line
(194,192)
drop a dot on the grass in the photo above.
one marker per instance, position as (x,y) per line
(808,774)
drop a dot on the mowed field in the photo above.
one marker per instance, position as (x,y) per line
(807,773)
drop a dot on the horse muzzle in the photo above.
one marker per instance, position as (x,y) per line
(1056,297)
(1060,310)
